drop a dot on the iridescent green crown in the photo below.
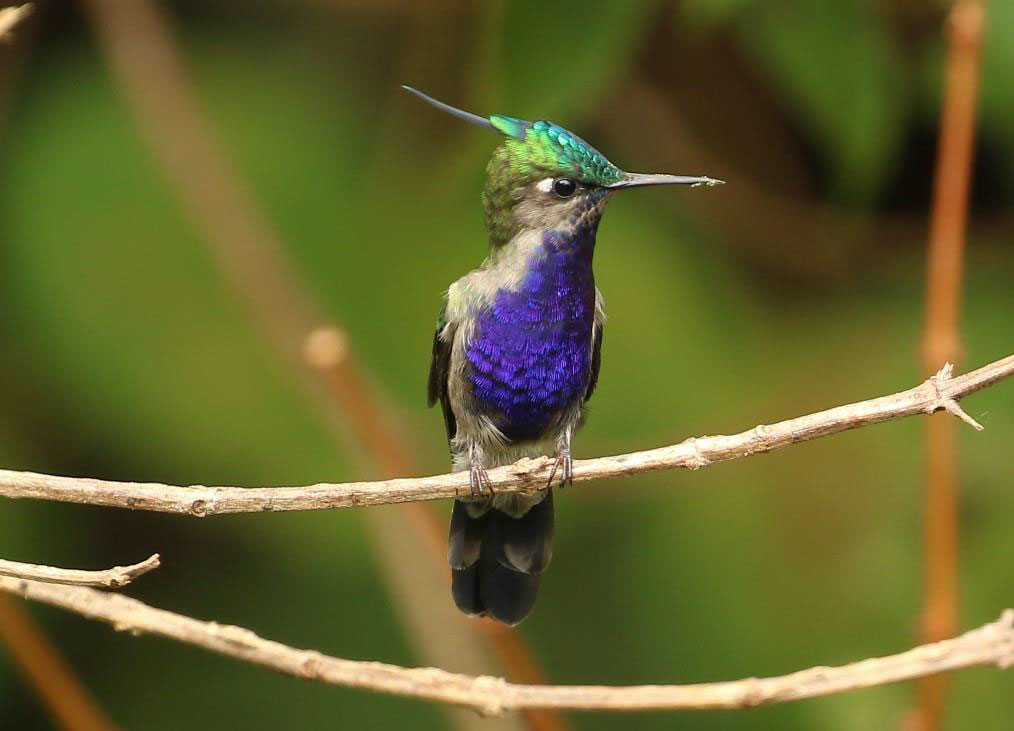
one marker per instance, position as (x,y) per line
(539,147)
(544,146)
(535,148)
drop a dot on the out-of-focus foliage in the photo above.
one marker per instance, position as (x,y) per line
(833,64)
(124,354)
(998,84)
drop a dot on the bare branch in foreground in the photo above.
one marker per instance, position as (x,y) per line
(991,644)
(114,578)
(10,17)
(939,393)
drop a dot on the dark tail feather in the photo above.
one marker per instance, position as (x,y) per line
(496,560)
(465,590)
(507,595)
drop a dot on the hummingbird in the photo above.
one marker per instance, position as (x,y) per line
(517,350)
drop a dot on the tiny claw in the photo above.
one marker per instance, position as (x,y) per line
(565,462)
(478,480)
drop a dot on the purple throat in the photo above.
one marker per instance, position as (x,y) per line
(531,354)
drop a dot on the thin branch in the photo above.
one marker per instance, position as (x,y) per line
(939,393)
(10,17)
(114,578)
(991,644)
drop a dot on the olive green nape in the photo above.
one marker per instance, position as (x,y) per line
(497,195)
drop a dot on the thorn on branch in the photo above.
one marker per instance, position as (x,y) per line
(491,690)
(945,402)
(697,459)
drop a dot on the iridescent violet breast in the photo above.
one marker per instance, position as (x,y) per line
(531,353)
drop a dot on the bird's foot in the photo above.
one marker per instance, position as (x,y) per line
(565,463)
(479,481)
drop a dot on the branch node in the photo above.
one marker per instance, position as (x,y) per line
(490,690)
(235,635)
(752,693)
(762,435)
(309,668)
(120,576)
(697,459)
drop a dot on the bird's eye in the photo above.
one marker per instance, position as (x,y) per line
(564,187)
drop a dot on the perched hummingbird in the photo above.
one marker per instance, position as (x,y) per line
(517,348)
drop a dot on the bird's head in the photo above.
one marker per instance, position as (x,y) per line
(542,177)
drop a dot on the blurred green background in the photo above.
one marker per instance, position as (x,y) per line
(799,285)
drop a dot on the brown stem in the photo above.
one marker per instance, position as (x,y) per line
(942,339)
(68,703)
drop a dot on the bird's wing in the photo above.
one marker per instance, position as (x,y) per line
(443,340)
(596,354)
(596,361)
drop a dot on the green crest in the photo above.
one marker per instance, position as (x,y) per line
(543,147)
(535,150)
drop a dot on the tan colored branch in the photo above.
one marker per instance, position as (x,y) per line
(991,644)
(939,393)
(10,17)
(113,578)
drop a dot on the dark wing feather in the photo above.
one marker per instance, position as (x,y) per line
(439,369)
(596,361)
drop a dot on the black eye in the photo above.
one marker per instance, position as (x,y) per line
(564,187)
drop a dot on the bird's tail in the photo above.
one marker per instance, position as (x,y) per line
(496,559)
